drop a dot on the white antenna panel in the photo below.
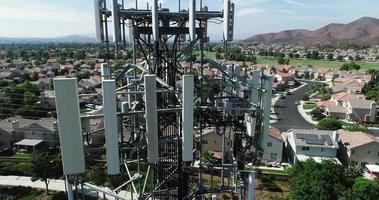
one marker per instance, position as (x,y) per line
(105,71)
(151,118)
(99,21)
(187,115)
(192,20)
(70,130)
(111,127)
(155,21)
(116,21)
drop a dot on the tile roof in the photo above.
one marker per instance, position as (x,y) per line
(356,139)
(361,103)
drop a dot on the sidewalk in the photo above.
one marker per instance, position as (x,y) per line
(56,185)
(304,114)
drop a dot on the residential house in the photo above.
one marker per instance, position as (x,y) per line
(361,110)
(273,149)
(303,144)
(42,84)
(12,130)
(15,129)
(321,72)
(47,99)
(335,106)
(45,129)
(358,148)
(89,85)
(212,141)
(13,75)
(352,86)
(302,71)
(285,77)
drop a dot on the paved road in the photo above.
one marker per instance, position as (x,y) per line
(288,115)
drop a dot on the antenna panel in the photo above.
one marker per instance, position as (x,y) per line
(70,129)
(151,118)
(116,21)
(228,20)
(155,21)
(111,127)
(99,21)
(192,20)
(187,115)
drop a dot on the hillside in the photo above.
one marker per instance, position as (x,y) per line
(361,31)
(64,39)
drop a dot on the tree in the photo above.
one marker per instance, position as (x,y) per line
(312,180)
(330,56)
(329,124)
(96,175)
(30,98)
(207,157)
(218,56)
(45,166)
(283,61)
(350,66)
(364,189)
(80,55)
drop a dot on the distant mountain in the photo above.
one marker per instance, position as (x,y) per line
(361,31)
(64,39)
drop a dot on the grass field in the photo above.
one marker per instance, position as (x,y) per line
(317,63)
(309,106)
(302,62)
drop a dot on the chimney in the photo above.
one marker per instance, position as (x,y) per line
(336,136)
(15,124)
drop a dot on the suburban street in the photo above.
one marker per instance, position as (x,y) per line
(288,114)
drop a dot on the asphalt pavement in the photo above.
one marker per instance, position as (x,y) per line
(288,114)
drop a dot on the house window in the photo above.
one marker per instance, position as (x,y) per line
(215,142)
(368,152)
(269,144)
(274,156)
(322,149)
(378,152)
(363,164)
(204,141)
(353,162)
(305,148)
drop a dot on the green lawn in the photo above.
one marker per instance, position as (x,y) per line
(316,63)
(309,106)
(300,62)
(22,155)
(207,54)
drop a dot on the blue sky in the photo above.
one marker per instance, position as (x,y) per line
(52,18)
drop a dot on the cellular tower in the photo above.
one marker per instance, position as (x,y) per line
(160,107)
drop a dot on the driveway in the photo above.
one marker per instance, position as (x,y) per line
(288,114)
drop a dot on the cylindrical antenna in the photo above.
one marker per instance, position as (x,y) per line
(192,20)
(136,4)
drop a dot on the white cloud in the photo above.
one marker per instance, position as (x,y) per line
(249,11)
(293,2)
(143,3)
(284,11)
(41,18)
